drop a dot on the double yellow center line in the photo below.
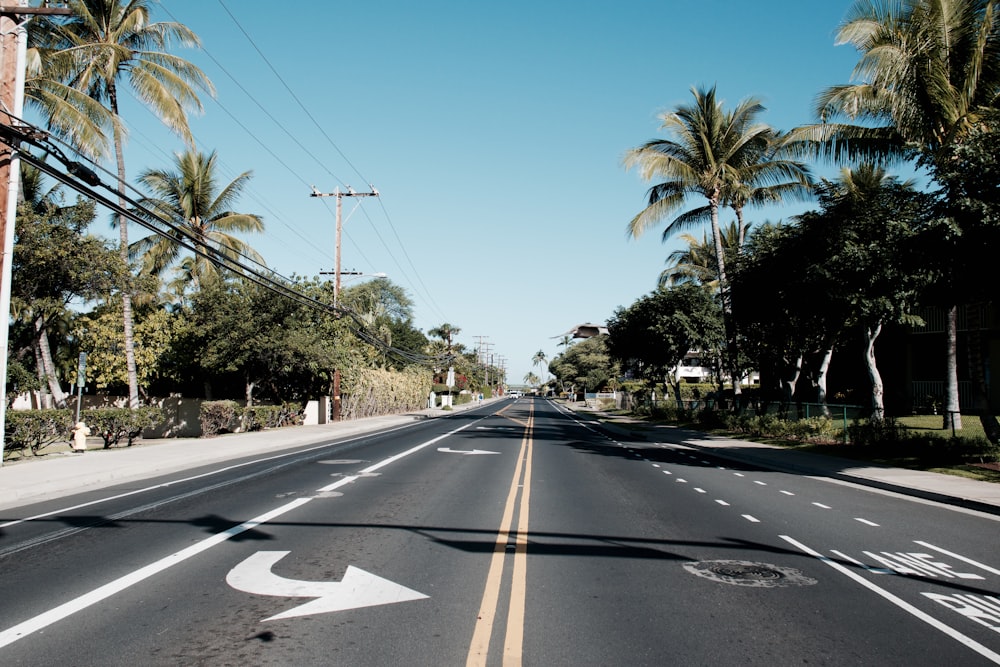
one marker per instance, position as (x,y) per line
(518,497)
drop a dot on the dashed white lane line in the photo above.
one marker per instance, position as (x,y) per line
(788,493)
(757,481)
(822,506)
(739,474)
(722,502)
(699,490)
(681,481)
(667,472)
(866,521)
(751,518)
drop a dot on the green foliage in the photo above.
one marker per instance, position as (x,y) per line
(651,336)
(217,417)
(890,439)
(258,417)
(587,366)
(378,391)
(114,424)
(34,430)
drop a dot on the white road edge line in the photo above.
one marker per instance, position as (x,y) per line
(66,609)
(45,619)
(902,604)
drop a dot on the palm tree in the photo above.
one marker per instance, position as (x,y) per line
(102,42)
(928,74)
(696,263)
(538,358)
(531,379)
(726,157)
(189,198)
(446,333)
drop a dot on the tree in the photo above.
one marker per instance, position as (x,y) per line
(651,337)
(446,332)
(101,43)
(871,268)
(721,156)
(189,199)
(538,359)
(928,74)
(54,263)
(585,365)
(696,263)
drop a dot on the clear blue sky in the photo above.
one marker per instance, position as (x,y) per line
(494,132)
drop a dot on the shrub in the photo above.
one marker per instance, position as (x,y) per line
(113,424)
(217,417)
(34,430)
(257,417)
(876,432)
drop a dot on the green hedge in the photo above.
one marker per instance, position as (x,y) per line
(34,430)
(116,424)
(227,416)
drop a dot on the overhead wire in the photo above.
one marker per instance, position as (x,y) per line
(84,179)
(323,132)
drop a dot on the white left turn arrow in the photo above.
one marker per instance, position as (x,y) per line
(446,450)
(357,589)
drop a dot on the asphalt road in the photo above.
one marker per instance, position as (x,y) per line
(508,534)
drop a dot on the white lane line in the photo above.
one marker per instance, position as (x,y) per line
(101,593)
(656,465)
(964,559)
(699,490)
(45,619)
(788,493)
(681,481)
(873,570)
(902,604)
(760,482)
(667,472)
(751,519)
(722,502)
(866,521)
(822,506)
(739,474)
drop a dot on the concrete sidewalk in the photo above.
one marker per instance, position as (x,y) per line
(948,489)
(56,475)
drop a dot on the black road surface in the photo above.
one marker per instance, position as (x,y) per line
(508,534)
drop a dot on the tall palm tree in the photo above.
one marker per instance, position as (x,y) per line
(538,358)
(726,157)
(104,42)
(722,156)
(446,332)
(928,73)
(189,197)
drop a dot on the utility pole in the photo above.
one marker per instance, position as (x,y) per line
(13,48)
(336,278)
(484,356)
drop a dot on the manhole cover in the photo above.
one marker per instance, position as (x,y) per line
(747,573)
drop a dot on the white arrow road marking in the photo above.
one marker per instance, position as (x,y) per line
(357,589)
(448,450)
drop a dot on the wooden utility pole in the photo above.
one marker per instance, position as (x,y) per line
(336,278)
(13,47)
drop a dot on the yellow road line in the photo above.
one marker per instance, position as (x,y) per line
(479,647)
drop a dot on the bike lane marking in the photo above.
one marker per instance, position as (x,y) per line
(987,653)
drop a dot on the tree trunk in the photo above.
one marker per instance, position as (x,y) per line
(952,413)
(980,392)
(48,368)
(821,377)
(133,380)
(248,394)
(788,382)
(878,391)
